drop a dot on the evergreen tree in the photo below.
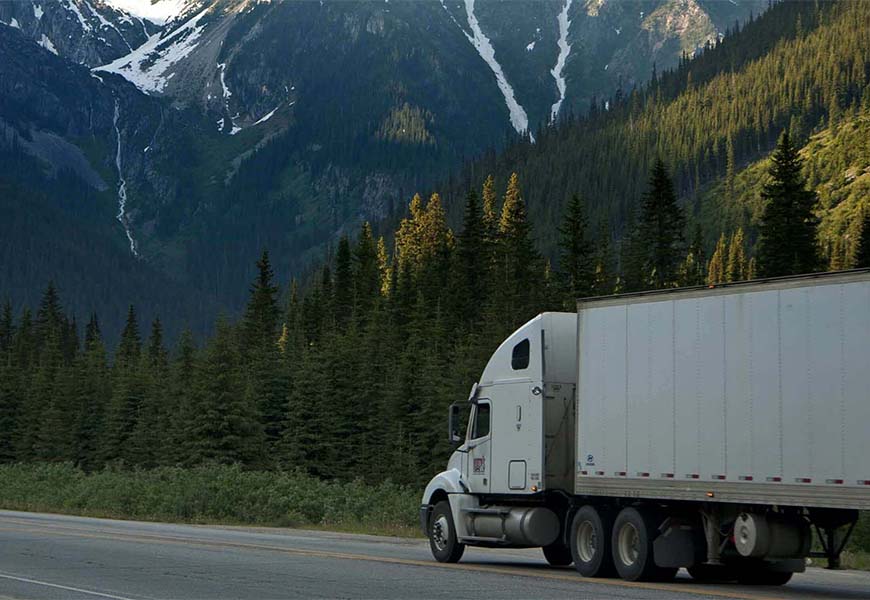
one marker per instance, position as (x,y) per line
(517,264)
(366,273)
(576,254)
(737,266)
(224,428)
(694,270)
(343,298)
(862,245)
(131,344)
(181,403)
(260,323)
(716,270)
(660,229)
(787,245)
(93,390)
(490,211)
(472,262)
(605,278)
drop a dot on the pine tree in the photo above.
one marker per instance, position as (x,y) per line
(93,390)
(660,229)
(385,268)
(260,323)
(148,436)
(181,407)
(343,293)
(224,428)
(862,246)
(472,262)
(694,270)
(736,269)
(605,278)
(131,344)
(787,245)
(366,273)
(490,211)
(716,270)
(517,264)
(576,254)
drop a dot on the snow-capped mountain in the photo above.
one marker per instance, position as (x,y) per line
(89,32)
(283,123)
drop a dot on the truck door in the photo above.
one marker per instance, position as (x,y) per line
(479,447)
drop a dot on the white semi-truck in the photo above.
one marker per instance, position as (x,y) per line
(714,429)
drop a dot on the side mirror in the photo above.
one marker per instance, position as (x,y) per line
(454,424)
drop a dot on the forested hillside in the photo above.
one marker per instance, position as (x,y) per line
(793,68)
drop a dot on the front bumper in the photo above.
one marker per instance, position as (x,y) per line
(425,511)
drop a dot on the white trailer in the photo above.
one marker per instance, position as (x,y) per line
(708,428)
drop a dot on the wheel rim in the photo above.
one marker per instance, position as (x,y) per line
(587,541)
(440,533)
(628,544)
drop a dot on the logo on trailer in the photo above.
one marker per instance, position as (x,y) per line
(480,465)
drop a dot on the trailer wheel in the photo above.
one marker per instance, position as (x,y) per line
(632,547)
(590,542)
(558,554)
(443,542)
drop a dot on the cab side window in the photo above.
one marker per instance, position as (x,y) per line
(481,422)
(520,356)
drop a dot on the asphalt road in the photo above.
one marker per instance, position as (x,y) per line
(51,556)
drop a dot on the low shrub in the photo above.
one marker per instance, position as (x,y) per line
(212,494)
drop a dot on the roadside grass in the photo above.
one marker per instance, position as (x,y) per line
(225,495)
(229,495)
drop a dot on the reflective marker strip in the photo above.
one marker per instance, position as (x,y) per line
(719,477)
(803,480)
(835,481)
(599,472)
(693,476)
(620,473)
(746,478)
(642,474)
(776,479)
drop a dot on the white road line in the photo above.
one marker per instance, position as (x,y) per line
(63,587)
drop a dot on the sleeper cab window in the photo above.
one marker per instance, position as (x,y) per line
(520,356)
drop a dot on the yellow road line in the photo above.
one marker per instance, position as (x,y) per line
(506,570)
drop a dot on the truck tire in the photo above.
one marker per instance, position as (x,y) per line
(632,547)
(761,576)
(558,554)
(443,542)
(590,542)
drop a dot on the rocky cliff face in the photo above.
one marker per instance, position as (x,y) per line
(88,32)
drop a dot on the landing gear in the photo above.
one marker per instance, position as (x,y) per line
(590,542)
(443,542)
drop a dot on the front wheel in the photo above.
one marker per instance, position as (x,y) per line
(558,554)
(443,542)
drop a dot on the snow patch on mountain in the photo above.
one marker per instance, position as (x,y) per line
(519,118)
(564,50)
(268,116)
(148,66)
(531,45)
(160,12)
(47,44)
(38,12)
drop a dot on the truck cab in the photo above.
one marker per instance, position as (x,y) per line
(518,441)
